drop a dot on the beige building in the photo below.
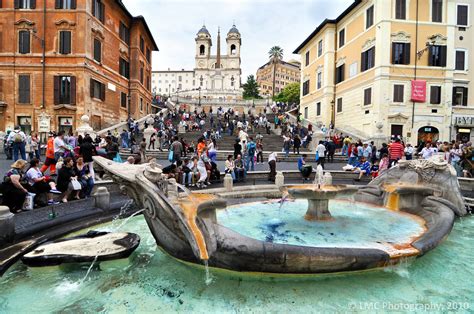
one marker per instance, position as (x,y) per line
(357,70)
(285,73)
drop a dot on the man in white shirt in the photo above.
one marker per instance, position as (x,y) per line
(18,140)
(427,151)
(321,150)
(59,145)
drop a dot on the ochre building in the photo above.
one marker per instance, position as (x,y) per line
(285,73)
(62,59)
(358,70)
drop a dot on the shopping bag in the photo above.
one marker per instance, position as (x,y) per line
(171,156)
(29,203)
(76,186)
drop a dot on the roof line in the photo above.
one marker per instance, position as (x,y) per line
(326,22)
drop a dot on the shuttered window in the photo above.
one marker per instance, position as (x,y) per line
(142,44)
(65,4)
(437,56)
(367,59)
(462,16)
(339,105)
(97,50)
(460,96)
(367,96)
(319,80)
(318,109)
(398,91)
(437,11)
(342,38)
(306,59)
(435,95)
(97,90)
(124,68)
(141,75)
(24,89)
(23,42)
(98,10)
(401,9)
(123,100)
(320,48)
(148,54)
(25,4)
(340,73)
(64,42)
(124,33)
(369,17)
(460,60)
(65,90)
(306,88)
(401,53)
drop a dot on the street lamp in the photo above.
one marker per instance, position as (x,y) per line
(169,91)
(199,89)
(232,82)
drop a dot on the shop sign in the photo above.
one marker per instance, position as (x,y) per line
(464,120)
(418,91)
(44,123)
(65,121)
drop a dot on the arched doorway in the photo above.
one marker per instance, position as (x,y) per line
(428,134)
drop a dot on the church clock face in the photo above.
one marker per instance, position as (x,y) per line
(201,63)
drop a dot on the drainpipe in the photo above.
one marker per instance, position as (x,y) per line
(333,103)
(416,65)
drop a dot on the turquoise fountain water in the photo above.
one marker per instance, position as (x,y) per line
(152,281)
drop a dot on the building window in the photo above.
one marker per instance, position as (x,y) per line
(124,33)
(148,54)
(141,104)
(123,100)
(306,62)
(400,53)
(141,75)
(368,59)
(320,48)
(64,90)
(24,89)
(97,50)
(462,16)
(202,50)
(142,44)
(124,68)
(353,69)
(318,109)
(340,73)
(306,112)
(25,4)
(460,96)
(437,11)
(339,105)
(23,42)
(437,56)
(319,81)
(97,90)
(233,50)
(369,17)
(65,4)
(98,10)
(64,42)
(306,88)
(435,95)
(367,96)
(342,37)
(148,84)
(460,60)
(401,9)
(398,91)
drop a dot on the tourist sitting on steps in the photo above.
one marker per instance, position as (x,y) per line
(239,169)
(230,167)
(41,184)
(14,187)
(363,168)
(66,175)
(305,169)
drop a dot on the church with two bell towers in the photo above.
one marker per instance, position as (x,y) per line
(218,74)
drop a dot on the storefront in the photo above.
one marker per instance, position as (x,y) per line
(463,128)
(25,124)
(65,124)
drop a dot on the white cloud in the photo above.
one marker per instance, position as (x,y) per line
(262,24)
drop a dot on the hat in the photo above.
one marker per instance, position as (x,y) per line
(51,134)
(19,164)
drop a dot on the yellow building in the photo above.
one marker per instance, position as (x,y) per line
(357,69)
(285,73)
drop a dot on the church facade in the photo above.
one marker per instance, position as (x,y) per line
(215,76)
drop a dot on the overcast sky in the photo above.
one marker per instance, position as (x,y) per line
(262,24)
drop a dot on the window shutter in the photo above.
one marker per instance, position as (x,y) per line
(102,92)
(73,90)
(1,87)
(17,4)
(33,4)
(67,42)
(464,96)
(1,6)
(406,52)
(102,15)
(430,56)
(73,4)
(394,46)
(363,63)
(443,51)
(92,88)
(57,4)
(56,89)
(93,7)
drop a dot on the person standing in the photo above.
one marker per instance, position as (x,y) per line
(124,138)
(35,146)
(251,149)
(321,151)
(87,150)
(18,138)
(237,149)
(296,144)
(409,150)
(50,161)
(396,152)
(177,148)
(259,151)
(272,159)
(331,149)
(143,150)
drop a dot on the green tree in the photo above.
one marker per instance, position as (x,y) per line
(276,55)
(251,90)
(290,94)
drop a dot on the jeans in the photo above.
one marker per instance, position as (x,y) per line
(239,174)
(287,152)
(189,176)
(87,186)
(352,161)
(19,148)
(250,160)
(124,143)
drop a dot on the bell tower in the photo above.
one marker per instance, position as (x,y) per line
(203,48)
(234,42)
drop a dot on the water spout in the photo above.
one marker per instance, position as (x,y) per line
(319,176)
(209,278)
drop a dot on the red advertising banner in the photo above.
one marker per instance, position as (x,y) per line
(418,91)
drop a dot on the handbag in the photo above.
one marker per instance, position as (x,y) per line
(76,186)
(171,155)
(317,156)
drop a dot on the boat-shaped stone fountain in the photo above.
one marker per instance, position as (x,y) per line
(417,200)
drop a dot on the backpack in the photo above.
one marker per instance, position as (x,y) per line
(251,150)
(17,138)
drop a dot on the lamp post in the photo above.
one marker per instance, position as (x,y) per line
(129,102)
(232,82)
(169,91)
(199,89)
